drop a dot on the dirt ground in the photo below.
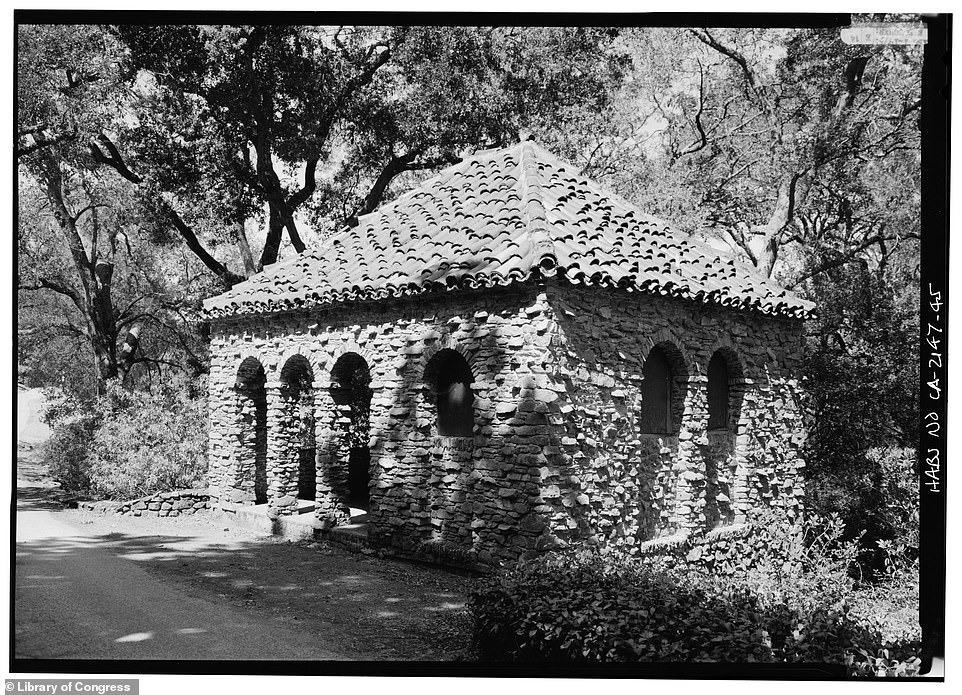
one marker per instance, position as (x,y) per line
(373,608)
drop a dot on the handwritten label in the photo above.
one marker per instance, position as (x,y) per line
(934,379)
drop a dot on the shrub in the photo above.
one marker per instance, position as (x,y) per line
(61,406)
(149,442)
(787,602)
(65,453)
(580,607)
(128,444)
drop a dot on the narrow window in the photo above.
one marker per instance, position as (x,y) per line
(448,378)
(717,393)
(656,393)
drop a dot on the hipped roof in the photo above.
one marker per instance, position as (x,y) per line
(500,217)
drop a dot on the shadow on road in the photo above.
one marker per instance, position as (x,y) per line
(370,608)
(362,606)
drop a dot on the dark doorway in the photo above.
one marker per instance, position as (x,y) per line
(297,381)
(307,474)
(359,478)
(351,393)
(655,416)
(252,413)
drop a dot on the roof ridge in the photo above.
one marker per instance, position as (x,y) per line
(535,216)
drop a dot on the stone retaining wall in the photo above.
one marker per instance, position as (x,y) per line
(174,503)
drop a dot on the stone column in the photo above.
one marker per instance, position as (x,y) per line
(219,448)
(282,447)
(689,465)
(330,507)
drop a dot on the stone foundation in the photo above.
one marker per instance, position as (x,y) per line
(556,456)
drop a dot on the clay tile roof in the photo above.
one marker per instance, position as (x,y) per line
(499,217)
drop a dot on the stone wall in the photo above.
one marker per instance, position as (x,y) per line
(641,486)
(555,456)
(174,503)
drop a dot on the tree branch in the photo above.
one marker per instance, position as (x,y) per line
(47,284)
(310,184)
(193,243)
(40,140)
(706,38)
(698,145)
(841,260)
(115,160)
(394,166)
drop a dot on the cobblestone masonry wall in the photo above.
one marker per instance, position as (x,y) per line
(637,486)
(175,503)
(555,457)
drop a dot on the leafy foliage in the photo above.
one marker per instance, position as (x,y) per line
(128,443)
(788,604)
(65,453)
(862,385)
(88,277)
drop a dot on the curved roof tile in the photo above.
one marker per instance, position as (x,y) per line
(498,217)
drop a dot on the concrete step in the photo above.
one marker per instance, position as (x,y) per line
(298,526)
(349,536)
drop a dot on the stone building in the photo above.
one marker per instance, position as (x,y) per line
(504,360)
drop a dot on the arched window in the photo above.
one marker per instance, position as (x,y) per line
(656,393)
(718,392)
(448,379)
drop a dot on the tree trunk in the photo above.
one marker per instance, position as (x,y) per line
(95,276)
(275,230)
(243,243)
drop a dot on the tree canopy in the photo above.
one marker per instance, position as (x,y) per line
(162,164)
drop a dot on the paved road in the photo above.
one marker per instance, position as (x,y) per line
(76,598)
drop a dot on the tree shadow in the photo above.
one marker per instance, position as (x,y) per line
(368,608)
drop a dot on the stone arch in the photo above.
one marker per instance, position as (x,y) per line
(673,344)
(677,373)
(295,358)
(447,399)
(349,397)
(446,342)
(362,351)
(250,475)
(447,378)
(735,382)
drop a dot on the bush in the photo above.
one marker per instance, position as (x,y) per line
(149,442)
(129,444)
(65,453)
(879,499)
(787,604)
(579,608)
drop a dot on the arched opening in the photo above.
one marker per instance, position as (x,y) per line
(726,386)
(251,472)
(656,394)
(297,385)
(718,392)
(448,380)
(351,394)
